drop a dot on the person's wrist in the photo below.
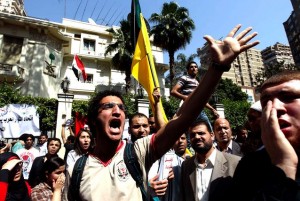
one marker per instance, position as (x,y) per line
(220,67)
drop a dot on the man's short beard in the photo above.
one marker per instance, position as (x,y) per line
(203,150)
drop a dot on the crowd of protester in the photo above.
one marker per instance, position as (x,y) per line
(257,161)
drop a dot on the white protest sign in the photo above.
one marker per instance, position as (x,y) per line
(16,119)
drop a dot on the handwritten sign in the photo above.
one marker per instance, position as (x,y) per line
(16,119)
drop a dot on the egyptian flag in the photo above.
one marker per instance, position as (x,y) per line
(142,66)
(78,69)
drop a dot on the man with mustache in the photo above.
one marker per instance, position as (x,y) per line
(138,126)
(206,175)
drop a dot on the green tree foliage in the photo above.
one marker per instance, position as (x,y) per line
(8,94)
(236,112)
(226,89)
(272,69)
(130,103)
(47,108)
(170,106)
(234,101)
(80,106)
(172,30)
(123,47)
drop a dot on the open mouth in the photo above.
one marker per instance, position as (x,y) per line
(283,124)
(115,125)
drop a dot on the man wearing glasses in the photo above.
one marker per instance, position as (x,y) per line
(105,175)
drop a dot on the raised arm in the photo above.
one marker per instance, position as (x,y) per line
(222,54)
(159,119)
(63,133)
(213,110)
(176,92)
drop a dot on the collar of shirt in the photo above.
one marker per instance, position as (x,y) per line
(210,161)
(229,148)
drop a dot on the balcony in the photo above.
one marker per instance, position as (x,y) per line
(11,73)
(77,86)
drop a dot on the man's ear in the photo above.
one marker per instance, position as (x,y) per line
(212,135)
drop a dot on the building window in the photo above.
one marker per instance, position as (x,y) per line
(89,78)
(11,49)
(88,45)
(77,35)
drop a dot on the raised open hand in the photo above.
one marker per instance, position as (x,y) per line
(224,52)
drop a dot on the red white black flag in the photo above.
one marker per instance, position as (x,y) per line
(78,69)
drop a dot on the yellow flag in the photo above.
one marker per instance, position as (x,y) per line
(142,67)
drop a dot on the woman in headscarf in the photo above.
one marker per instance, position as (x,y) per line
(12,184)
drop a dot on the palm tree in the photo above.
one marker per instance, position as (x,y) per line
(173,30)
(123,48)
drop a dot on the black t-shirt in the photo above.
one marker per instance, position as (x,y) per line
(68,148)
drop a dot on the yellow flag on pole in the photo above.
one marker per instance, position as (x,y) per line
(142,67)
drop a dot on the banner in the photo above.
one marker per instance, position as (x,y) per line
(16,119)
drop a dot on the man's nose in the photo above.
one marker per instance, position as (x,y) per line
(279,106)
(141,129)
(116,109)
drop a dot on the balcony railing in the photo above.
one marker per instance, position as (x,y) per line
(11,73)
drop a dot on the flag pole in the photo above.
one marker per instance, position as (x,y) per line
(154,82)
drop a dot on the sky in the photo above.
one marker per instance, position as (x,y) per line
(212,17)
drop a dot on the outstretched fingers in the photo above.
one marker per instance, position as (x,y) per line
(234,30)
(243,33)
(210,40)
(249,45)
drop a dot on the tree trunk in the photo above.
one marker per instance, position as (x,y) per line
(127,80)
(171,63)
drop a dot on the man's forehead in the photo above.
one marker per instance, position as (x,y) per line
(54,141)
(140,120)
(111,99)
(277,89)
(222,122)
(199,127)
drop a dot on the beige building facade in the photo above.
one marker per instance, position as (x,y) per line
(13,7)
(243,69)
(277,53)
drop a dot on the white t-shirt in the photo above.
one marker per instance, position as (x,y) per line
(112,181)
(42,149)
(72,157)
(27,156)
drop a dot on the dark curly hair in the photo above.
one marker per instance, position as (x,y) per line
(93,106)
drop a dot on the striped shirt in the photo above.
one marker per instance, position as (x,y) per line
(188,84)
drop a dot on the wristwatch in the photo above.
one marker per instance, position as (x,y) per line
(220,67)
